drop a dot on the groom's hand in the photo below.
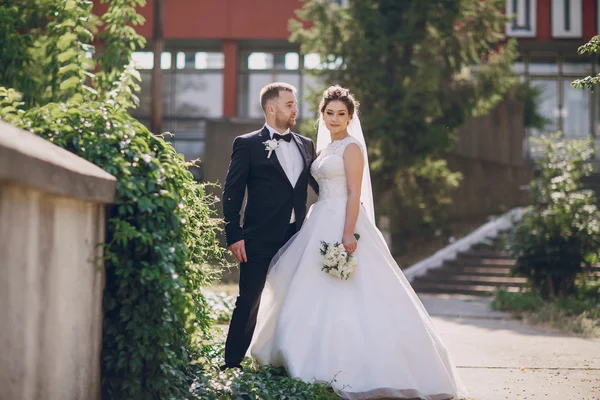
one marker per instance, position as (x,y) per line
(239,251)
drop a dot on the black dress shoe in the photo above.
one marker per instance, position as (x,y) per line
(227,366)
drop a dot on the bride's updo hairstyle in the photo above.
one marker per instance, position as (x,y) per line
(339,93)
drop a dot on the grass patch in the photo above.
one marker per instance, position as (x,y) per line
(578,314)
(265,383)
(253,383)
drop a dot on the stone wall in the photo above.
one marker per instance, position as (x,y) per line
(51,269)
(490,155)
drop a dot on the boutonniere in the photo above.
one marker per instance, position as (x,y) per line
(270,145)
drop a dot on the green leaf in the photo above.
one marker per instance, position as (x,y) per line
(67,55)
(70,5)
(70,83)
(8,110)
(68,68)
(66,40)
(86,34)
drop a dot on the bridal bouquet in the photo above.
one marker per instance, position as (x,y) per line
(336,260)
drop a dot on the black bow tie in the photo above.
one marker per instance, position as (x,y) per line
(287,137)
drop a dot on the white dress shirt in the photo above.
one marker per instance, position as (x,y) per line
(290,159)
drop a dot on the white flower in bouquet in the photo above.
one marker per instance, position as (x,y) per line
(342,256)
(352,263)
(330,260)
(336,260)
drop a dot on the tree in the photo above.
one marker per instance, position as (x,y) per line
(47,52)
(420,69)
(590,82)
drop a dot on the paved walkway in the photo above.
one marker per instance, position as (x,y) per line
(500,358)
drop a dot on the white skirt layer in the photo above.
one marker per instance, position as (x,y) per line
(369,336)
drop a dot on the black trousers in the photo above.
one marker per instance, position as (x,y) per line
(253,274)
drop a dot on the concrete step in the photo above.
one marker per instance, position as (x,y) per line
(481,270)
(480,262)
(459,288)
(486,253)
(474,279)
(472,270)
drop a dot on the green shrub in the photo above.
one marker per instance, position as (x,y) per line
(160,232)
(559,236)
(516,302)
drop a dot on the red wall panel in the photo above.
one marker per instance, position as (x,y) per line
(221,19)
(588,9)
(544,19)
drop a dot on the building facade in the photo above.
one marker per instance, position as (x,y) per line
(218,54)
(549,33)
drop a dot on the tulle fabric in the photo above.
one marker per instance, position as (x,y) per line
(369,336)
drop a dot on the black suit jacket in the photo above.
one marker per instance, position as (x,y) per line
(270,193)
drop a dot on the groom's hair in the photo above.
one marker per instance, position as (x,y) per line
(271,92)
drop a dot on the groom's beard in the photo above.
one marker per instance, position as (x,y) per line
(284,123)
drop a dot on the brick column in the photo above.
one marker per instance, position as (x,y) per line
(230,78)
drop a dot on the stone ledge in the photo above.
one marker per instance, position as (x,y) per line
(29,160)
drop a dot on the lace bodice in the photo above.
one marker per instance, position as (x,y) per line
(328,169)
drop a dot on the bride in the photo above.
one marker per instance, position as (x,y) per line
(369,335)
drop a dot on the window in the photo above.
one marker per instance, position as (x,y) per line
(518,67)
(548,105)
(194,88)
(572,111)
(566,18)
(313,61)
(145,60)
(523,13)
(576,111)
(258,69)
(577,65)
(200,60)
(279,61)
(198,94)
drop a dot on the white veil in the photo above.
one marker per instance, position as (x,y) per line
(355,130)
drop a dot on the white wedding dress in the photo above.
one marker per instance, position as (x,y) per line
(369,336)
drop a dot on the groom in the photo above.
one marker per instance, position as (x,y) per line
(273,164)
